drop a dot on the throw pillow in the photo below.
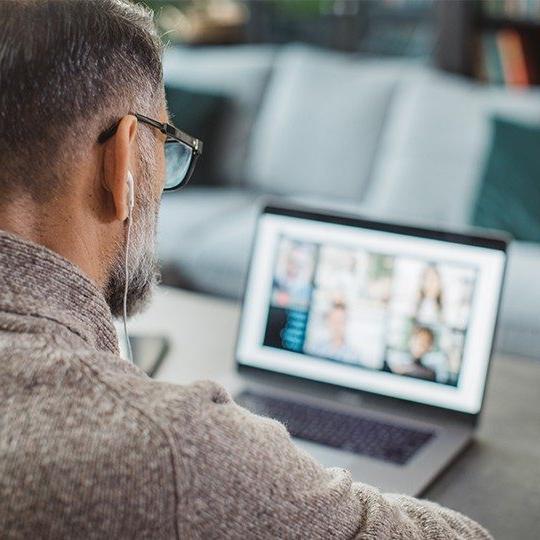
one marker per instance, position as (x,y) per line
(509,195)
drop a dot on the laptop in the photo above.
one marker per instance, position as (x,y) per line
(370,341)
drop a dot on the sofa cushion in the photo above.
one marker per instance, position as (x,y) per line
(320,123)
(434,145)
(186,219)
(239,73)
(509,196)
(218,264)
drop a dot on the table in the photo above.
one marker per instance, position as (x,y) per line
(496,481)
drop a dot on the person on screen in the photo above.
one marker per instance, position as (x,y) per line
(90,446)
(420,345)
(429,309)
(335,345)
(292,285)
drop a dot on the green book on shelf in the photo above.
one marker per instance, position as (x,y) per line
(492,59)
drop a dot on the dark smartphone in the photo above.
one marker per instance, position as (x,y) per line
(149,352)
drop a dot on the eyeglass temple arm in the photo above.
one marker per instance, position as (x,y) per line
(108,133)
(166,129)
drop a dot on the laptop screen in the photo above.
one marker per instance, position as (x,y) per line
(396,311)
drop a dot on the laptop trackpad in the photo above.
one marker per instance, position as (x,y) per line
(326,456)
(379,474)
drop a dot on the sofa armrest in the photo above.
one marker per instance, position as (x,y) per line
(519,329)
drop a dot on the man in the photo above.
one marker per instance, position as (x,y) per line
(89,446)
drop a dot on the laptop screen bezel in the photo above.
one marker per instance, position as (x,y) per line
(496,241)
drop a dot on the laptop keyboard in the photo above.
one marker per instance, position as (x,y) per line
(360,435)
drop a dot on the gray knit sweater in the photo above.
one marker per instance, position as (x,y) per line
(92,448)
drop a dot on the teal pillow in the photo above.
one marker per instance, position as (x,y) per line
(509,196)
(199,114)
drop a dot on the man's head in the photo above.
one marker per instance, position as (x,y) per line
(69,69)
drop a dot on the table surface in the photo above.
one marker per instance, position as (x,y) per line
(495,481)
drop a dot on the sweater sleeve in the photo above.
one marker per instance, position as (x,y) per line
(248,480)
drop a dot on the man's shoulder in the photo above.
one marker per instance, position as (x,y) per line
(99,392)
(162,404)
(87,434)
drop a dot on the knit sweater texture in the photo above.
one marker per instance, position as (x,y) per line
(90,447)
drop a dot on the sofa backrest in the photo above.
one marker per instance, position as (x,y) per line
(320,121)
(404,140)
(433,149)
(240,73)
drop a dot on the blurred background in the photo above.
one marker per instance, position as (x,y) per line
(417,111)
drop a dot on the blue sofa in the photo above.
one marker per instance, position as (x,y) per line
(389,139)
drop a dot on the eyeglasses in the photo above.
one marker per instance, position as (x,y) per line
(181,151)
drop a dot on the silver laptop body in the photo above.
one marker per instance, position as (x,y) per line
(383,332)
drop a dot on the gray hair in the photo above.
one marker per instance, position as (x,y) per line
(68,69)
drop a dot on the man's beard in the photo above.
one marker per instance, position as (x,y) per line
(143,270)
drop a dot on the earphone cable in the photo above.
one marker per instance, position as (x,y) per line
(126,277)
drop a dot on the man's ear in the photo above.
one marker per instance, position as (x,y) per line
(119,153)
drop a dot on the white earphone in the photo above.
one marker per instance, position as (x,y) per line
(131,203)
(131,191)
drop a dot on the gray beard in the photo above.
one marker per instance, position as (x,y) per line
(143,267)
